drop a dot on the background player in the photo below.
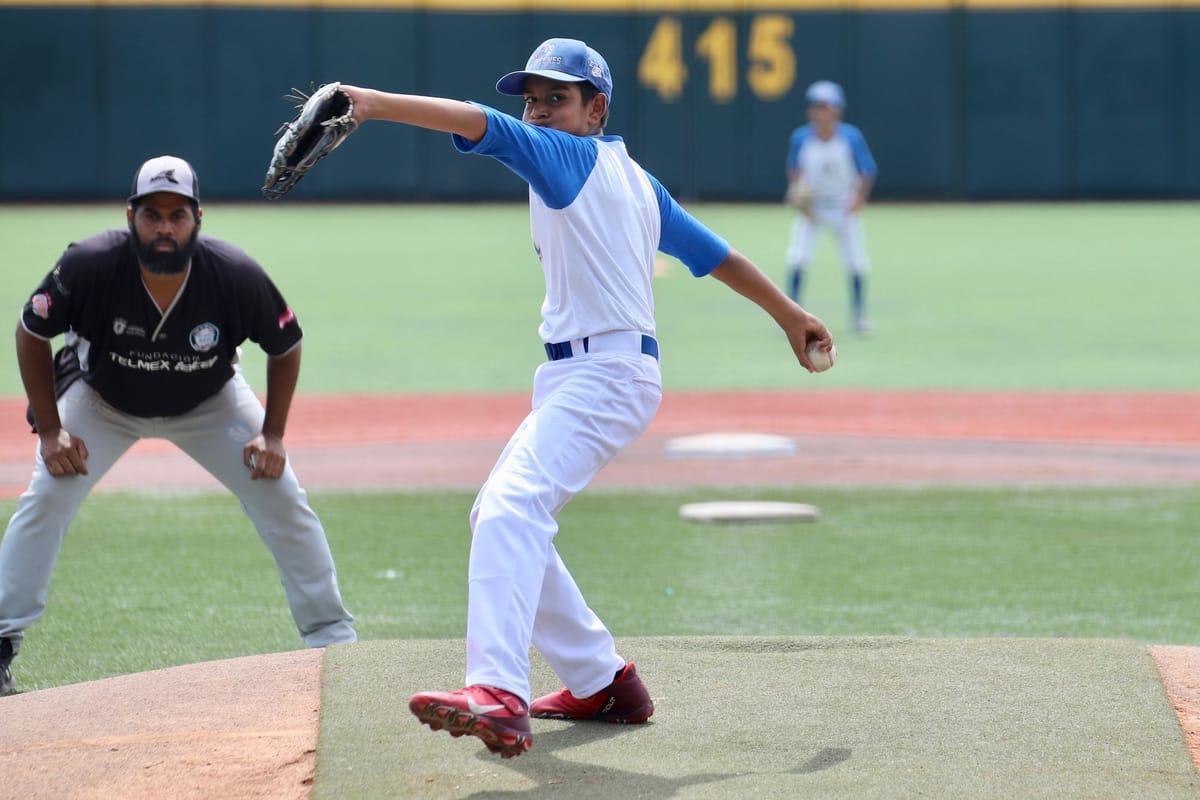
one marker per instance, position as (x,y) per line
(153,316)
(830,174)
(597,220)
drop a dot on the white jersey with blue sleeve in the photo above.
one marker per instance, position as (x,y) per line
(597,220)
(832,167)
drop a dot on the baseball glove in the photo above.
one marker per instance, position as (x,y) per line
(323,123)
(799,196)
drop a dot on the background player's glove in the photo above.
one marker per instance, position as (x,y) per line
(323,123)
(799,195)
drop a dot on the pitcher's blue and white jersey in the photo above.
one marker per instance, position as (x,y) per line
(831,168)
(597,220)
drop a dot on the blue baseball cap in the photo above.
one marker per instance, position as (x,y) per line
(827,93)
(562,60)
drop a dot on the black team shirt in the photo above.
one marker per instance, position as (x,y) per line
(152,364)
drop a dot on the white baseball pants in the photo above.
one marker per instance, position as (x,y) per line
(847,230)
(585,410)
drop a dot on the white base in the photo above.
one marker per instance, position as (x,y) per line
(730,445)
(749,511)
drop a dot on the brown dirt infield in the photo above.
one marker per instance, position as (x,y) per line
(248,728)
(843,437)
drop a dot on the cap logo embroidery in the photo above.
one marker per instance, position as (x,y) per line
(165,175)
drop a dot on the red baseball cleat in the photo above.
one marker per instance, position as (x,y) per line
(497,717)
(625,701)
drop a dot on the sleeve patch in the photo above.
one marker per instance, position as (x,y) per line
(40,304)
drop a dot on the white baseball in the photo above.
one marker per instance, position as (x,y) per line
(820,359)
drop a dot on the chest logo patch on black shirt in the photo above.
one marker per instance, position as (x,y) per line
(121,327)
(204,337)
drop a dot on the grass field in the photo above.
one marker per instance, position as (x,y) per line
(925,629)
(183,579)
(446,298)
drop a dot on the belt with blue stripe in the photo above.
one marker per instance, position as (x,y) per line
(602,343)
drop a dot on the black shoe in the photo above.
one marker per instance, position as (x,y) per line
(7,684)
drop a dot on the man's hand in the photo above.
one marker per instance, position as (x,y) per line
(264,456)
(63,454)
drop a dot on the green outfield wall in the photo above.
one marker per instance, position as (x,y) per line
(967,100)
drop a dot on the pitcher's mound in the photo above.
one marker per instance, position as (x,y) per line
(247,727)
(244,727)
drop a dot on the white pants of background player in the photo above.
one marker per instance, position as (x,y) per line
(847,230)
(585,410)
(213,434)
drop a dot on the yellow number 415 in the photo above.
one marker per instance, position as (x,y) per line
(772,63)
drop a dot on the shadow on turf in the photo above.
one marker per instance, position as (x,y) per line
(828,757)
(550,775)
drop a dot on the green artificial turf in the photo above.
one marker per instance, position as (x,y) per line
(446,298)
(738,717)
(147,581)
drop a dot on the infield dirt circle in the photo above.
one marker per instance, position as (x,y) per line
(262,742)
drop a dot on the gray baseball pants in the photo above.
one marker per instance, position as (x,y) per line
(213,434)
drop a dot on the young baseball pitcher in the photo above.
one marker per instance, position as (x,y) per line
(597,220)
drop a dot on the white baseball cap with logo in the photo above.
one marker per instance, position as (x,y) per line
(166,174)
(826,93)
